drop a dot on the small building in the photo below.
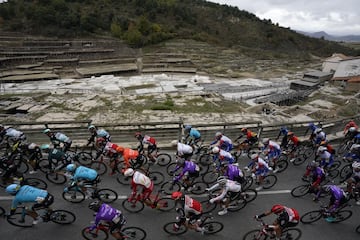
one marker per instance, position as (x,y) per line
(330,64)
(348,70)
(311,80)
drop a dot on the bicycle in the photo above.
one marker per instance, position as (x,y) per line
(209,227)
(244,148)
(357,229)
(195,186)
(23,219)
(238,202)
(163,159)
(266,231)
(135,205)
(304,189)
(339,216)
(74,193)
(2,211)
(101,232)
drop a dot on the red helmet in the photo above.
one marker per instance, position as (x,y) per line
(277,209)
(176,195)
(138,134)
(244,130)
(100,141)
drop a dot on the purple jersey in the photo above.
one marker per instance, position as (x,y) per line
(232,172)
(190,167)
(106,213)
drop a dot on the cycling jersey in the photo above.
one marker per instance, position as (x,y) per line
(189,167)
(273,149)
(230,186)
(60,138)
(140,179)
(233,173)
(224,143)
(184,150)
(289,215)
(192,206)
(338,197)
(129,154)
(28,194)
(108,214)
(223,156)
(261,167)
(84,173)
(326,159)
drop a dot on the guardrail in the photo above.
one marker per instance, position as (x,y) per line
(164,132)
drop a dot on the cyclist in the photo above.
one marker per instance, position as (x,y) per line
(193,136)
(190,171)
(58,138)
(28,194)
(337,198)
(11,135)
(284,141)
(353,134)
(129,154)
(286,217)
(221,156)
(353,182)
(273,151)
(222,141)
(82,176)
(326,158)
(190,211)
(97,133)
(319,136)
(251,137)
(9,170)
(140,179)
(228,190)
(110,150)
(259,170)
(232,172)
(34,155)
(182,150)
(151,145)
(349,125)
(55,157)
(293,143)
(312,127)
(317,177)
(111,216)
(328,146)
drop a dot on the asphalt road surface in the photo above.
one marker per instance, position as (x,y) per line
(236,224)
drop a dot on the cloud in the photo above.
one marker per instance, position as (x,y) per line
(337,17)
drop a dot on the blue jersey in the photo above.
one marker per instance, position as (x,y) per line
(82,172)
(28,194)
(194,133)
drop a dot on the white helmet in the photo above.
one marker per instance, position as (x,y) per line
(129,172)
(352,129)
(218,134)
(222,180)
(318,130)
(174,143)
(322,148)
(355,165)
(215,150)
(265,141)
(253,156)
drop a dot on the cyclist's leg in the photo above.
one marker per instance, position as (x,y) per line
(115,230)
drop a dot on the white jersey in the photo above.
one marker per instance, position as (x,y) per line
(184,149)
(230,186)
(141,179)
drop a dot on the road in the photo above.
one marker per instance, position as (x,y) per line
(236,224)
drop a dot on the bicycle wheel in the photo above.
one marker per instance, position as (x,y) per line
(56,178)
(165,204)
(254,235)
(62,217)
(157,177)
(2,211)
(73,196)
(311,216)
(99,234)
(345,172)
(207,207)
(237,204)
(332,174)
(357,229)
(342,216)
(163,159)
(21,165)
(210,177)
(123,179)
(292,233)
(281,165)
(344,147)
(170,187)
(133,207)
(44,165)
(135,233)
(199,188)
(205,159)
(247,183)
(170,169)
(99,166)
(20,220)
(106,195)
(169,228)
(300,191)
(269,181)
(84,158)
(300,159)
(336,164)
(212,227)
(249,195)
(36,182)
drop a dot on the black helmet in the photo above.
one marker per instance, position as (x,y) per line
(95,205)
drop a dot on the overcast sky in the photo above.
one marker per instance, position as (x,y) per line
(335,17)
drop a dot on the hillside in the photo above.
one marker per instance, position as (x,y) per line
(141,23)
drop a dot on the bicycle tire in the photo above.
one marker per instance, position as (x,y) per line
(163,159)
(15,220)
(205,159)
(62,217)
(169,228)
(207,207)
(300,191)
(281,165)
(36,182)
(44,165)
(357,229)
(332,174)
(300,159)
(170,187)
(342,215)
(255,235)
(123,179)
(170,169)
(2,211)
(336,164)
(198,188)
(134,233)
(84,158)
(106,195)
(292,233)
(99,166)
(165,204)
(210,177)
(133,207)
(56,178)
(247,183)
(212,227)
(156,177)
(73,196)
(346,172)
(22,166)
(269,181)
(98,234)
(345,146)
(250,195)
(311,216)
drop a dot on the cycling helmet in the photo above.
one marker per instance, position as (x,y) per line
(218,134)
(174,143)
(290,134)
(95,205)
(318,130)
(45,146)
(12,189)
(322,149)
(254,156)
(71,167)
(311,125)
(244,130)
(277,209)
(355,165)
(188,127)
(129,172)
(138,135)
(266,141)
(215,150)
(46,131)
(176,195)
(222,180)
(352,129)
(312,164)
(91,127)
